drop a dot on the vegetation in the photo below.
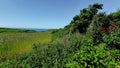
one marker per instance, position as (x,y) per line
(91,40)
(13,44)
(11,31)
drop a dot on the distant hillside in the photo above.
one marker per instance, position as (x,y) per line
(35,29)
(12,30)
(91,40)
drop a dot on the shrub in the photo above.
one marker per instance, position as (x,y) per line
(112,39)
(118,23)
(94,57)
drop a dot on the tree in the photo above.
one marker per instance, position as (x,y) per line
(83,20)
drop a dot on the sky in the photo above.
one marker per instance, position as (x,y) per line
(47,14)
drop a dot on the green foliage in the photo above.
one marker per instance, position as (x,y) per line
(99,21)
(78,53)
(55,55)
(56,34)
(94,57)
(81,22)
(113,39)
(13,44)
(118,23)
(115,16)
(14,31)
(81,44)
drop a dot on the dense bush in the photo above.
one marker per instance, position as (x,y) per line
(81,44)
(99,22)
(118,23)
(113,39)
(94,57)
(55,55)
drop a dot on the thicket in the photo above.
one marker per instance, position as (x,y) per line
(91,40)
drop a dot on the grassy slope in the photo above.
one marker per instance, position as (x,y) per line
(10,30)
(12,44)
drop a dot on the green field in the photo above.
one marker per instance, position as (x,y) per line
(91,40)
(16,44)
(13,30)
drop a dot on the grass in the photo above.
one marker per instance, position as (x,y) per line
(13,31)
(16,44)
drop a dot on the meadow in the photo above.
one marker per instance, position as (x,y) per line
(91,40)
(14,30)
(21,43)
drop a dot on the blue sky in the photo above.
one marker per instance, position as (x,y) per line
(46,13)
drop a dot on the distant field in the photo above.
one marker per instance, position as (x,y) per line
(13,44)
(11,31)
